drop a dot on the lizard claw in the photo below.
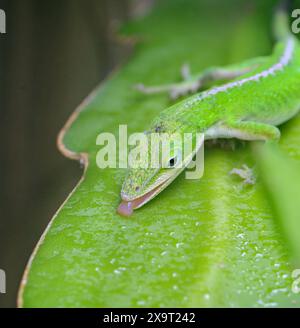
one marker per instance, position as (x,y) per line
(140,87)
(185,72)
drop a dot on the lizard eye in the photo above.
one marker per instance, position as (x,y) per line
(172,162)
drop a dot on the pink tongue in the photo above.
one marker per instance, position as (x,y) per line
(125,209)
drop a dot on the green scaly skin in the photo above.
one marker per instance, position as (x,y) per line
(249,107)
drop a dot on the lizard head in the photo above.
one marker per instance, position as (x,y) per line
(154,171)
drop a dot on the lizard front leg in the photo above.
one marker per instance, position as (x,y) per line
(245,130)
(193,83)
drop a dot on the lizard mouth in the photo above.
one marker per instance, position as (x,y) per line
(126,207)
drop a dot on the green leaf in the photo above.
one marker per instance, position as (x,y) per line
(208,242)
(282,179)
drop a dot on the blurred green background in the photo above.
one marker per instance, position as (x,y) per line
(53,54)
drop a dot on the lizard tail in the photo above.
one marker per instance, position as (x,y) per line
(281,20)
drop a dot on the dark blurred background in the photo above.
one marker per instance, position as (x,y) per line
(53,54)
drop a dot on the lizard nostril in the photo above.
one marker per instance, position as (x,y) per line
(137,189)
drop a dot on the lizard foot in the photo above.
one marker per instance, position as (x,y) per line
(188,85)
(245,173)
(175,90)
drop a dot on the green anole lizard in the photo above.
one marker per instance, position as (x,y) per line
(262,94)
